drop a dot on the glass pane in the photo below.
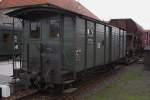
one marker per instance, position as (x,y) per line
(35,30)
(7,39)
(90,28)
(54,27)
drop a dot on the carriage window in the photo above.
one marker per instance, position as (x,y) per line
(7,38)
(54,27)
(90,32)
(35,30)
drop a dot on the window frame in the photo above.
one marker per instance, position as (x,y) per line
(49,21)
(40,35)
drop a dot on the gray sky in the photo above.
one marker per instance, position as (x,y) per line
(138,10)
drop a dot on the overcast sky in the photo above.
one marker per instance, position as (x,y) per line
(138,10)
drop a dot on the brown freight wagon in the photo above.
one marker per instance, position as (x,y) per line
(134,35)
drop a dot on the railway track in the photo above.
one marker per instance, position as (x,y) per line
(88,82)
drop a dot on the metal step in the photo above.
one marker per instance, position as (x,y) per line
(68,81)
(70,90)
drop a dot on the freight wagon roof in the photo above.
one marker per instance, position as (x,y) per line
(128,24)
(69,5)
(148,31)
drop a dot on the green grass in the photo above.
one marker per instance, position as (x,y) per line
(113,92)
(116,90)
(129,76)
(105,95)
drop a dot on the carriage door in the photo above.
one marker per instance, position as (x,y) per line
(32,47)
(52,48)
(90,44)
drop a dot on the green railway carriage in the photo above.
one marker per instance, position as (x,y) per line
(7,36)
(57,42)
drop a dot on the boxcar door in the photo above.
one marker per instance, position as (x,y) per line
(90,44)
(80,44)
(32,40)
(52,48)
(100,40)
(107,45)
